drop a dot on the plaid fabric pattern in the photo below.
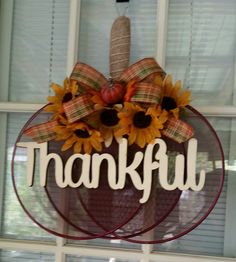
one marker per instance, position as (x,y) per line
(147,93)
(78,108)
(177,130)
(141,70)
(43,132)
(88,77)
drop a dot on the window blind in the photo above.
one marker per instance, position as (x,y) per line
(20,256)
(16,224)
(94,259)
(96,21)
(38,57)
(38,48)
(201,48)
(208,237)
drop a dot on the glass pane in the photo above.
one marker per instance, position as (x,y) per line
(96,21)
(38,48)
(22,256)
(23,227)
(96,259)
(15,223)
(201,46)
(116,243)
(209,237)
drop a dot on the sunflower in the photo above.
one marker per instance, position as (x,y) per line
(62,95)
(109,123)
(142,126)
(105,119)
(79,136)
(174,98)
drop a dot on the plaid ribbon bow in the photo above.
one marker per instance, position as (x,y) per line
(90,81)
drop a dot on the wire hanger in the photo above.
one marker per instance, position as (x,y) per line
(122,9)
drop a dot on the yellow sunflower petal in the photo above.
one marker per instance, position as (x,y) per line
(51,108)
(121,132)
(174,92)
(96,135)
(74,88)
(87,146)
(60,129)
(148,135)
(178,84)
(62,137)
(64,133)
(81,125)
(106,132)
(154,111)
(163,117)
(155,132)
(167,84)
(132,136)
(77,147)
(140,140)
(184,99)
(66,83)
(151,111)
(53,99)
(58,90)
(126,121)
(68,144)
(130,106)
(96,144)
(158,80)
(175,112)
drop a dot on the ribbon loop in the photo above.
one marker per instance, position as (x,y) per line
(177,130)
(147,93)
(141,70)
(42,132)
(78,108)
(88,77)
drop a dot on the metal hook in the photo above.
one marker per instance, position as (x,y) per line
(126,8)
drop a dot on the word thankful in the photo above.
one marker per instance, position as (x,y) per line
(183,179)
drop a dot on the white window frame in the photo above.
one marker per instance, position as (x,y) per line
(60,248)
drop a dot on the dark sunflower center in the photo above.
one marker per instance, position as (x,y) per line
(168,103)
(141,120)
(109,117)
(81,133)
(67,97)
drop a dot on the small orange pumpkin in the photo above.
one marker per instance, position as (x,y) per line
(112,92)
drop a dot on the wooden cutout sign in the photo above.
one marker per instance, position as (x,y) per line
(63,174)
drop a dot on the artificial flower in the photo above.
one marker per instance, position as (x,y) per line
(105,119)
(173,98)
(109,123)
(142,126)
(79,136)
(62,95)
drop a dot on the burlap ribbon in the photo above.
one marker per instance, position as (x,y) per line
(91,81)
